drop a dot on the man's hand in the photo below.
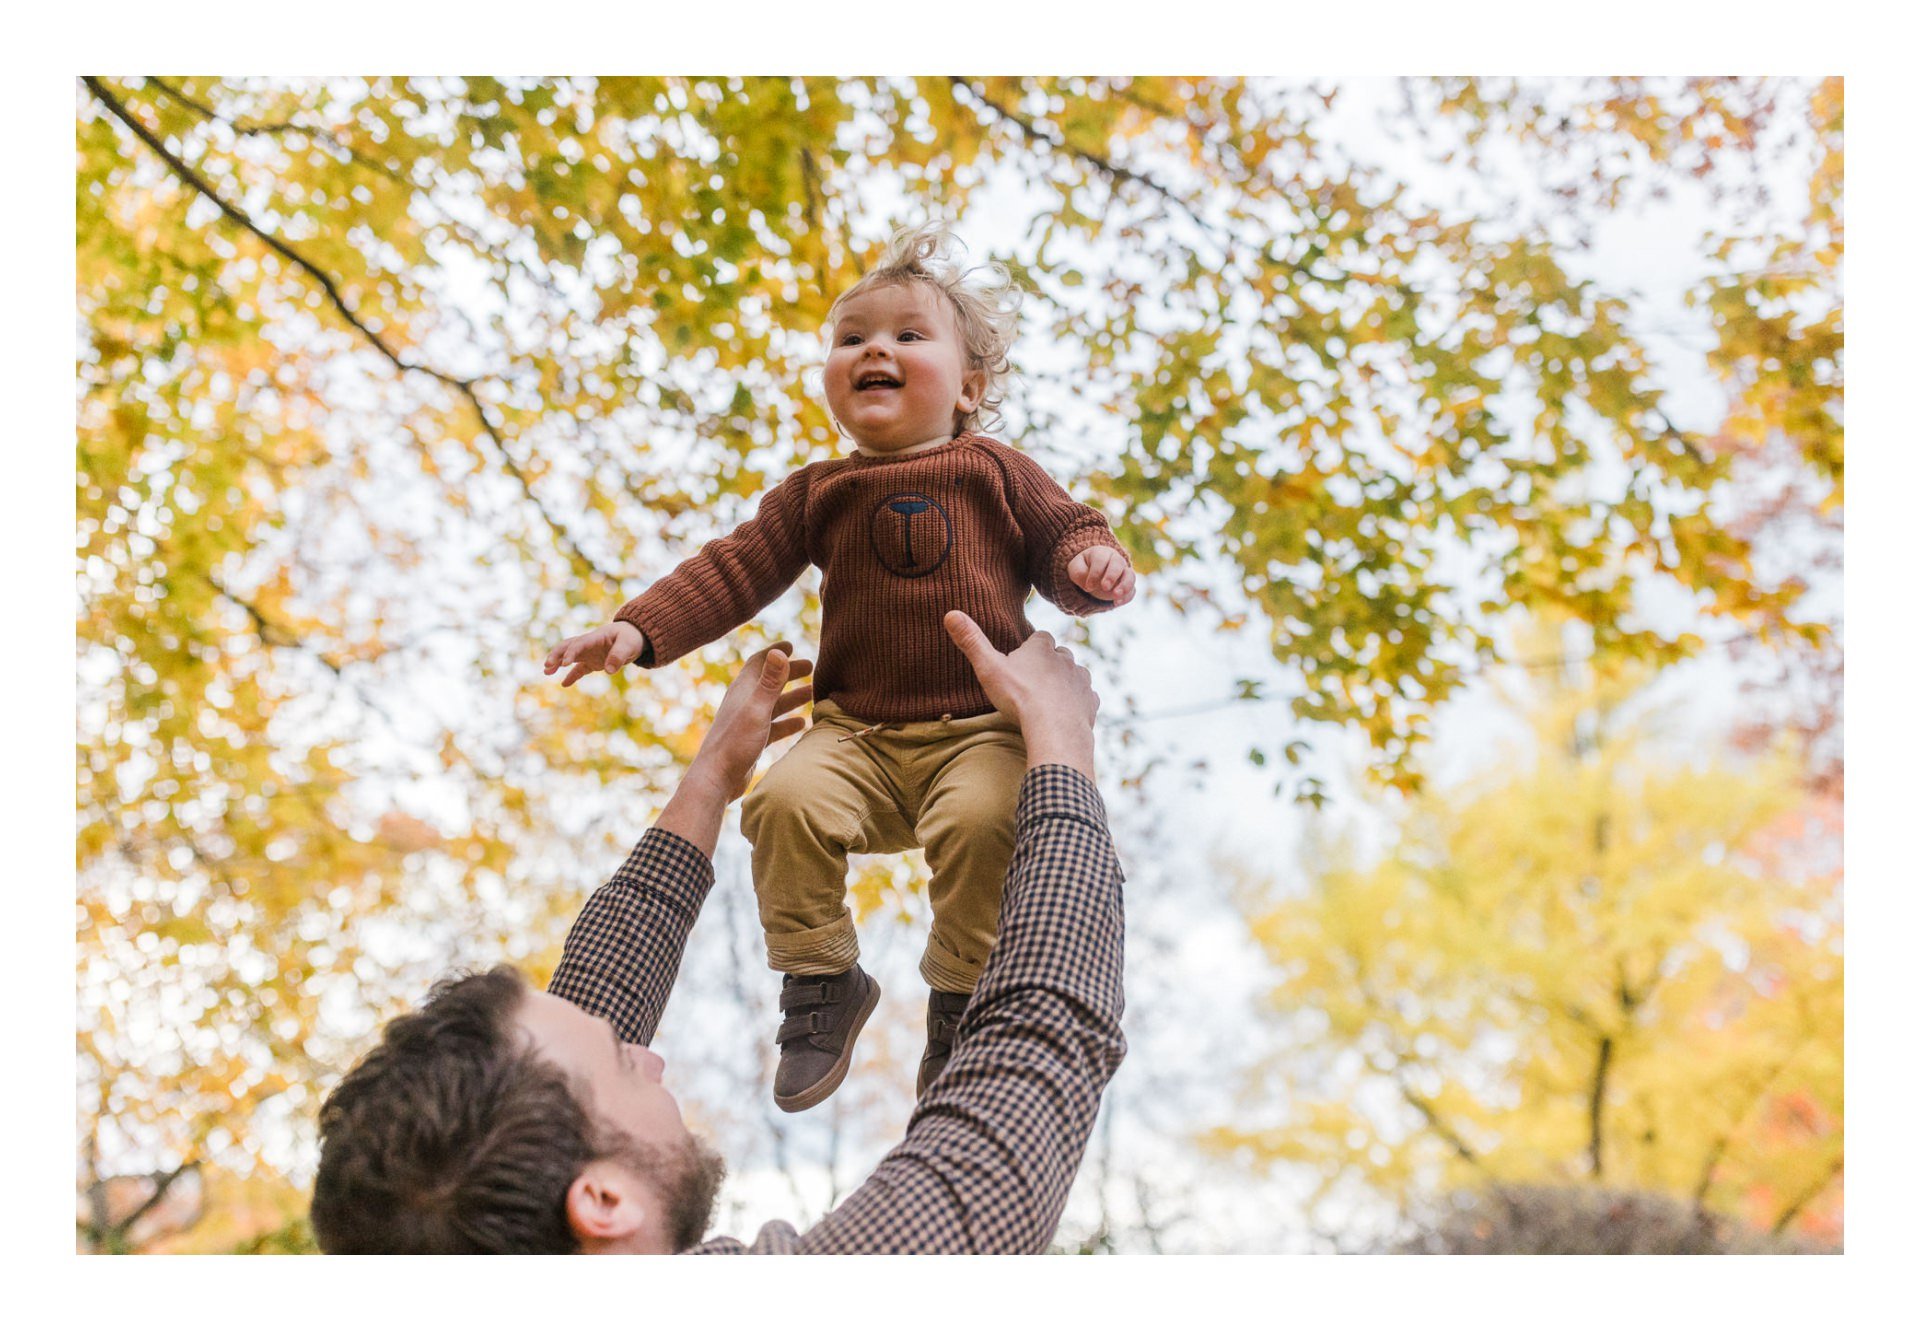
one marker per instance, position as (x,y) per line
(607,648)
(751,716)
(746,722)
(1102,571)
(1038,685)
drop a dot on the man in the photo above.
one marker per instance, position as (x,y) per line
(498,1119)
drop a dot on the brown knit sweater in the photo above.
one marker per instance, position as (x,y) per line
(972,526)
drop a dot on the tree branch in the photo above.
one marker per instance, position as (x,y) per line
(1674,434)
(1762,1085)
(1036,134)
(1432,1116)
(331,290)
(244,130)
(1800,1203)
(472,237)
(161,1183)
(1596,1104)
(269,632)
(273,635)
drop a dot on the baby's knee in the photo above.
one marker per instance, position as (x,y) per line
(773,800)
(978,813)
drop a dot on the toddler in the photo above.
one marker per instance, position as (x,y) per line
(927,515)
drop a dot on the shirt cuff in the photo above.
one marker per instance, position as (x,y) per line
(1054,790)
(669,865)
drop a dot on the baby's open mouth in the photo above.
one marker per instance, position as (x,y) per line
(875,379)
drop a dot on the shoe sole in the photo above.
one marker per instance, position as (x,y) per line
(830,1083)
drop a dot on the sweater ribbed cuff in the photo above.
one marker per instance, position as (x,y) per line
(1066,595)
(646,660)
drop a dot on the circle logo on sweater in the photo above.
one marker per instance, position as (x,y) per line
(911,534)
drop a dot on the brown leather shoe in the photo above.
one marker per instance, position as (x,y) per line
(943,1027)
(823,1015)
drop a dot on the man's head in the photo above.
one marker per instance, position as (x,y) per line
(500,1119)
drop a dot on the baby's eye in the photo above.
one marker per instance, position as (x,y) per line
(909,335)
(849,339)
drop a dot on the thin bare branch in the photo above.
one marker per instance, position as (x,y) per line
(162,1182)
(1801,1202)
(1042,137)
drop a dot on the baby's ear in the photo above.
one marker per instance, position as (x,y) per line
(973,387)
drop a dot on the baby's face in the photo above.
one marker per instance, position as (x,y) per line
(897,372)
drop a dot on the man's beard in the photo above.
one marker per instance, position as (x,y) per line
(685,1180)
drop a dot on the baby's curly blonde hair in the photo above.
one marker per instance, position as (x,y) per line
(985,299)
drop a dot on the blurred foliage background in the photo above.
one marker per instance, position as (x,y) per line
(385,385)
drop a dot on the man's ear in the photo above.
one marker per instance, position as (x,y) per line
(605,1208)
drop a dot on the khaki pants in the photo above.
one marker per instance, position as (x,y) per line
(949,787)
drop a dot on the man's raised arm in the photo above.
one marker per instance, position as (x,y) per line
(623,952)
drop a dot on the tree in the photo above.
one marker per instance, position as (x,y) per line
(1780,348)
(1594,967)
(384,384)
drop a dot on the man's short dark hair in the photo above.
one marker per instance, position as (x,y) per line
(452,1135)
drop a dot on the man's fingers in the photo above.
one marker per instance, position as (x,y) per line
(968,638)
(786,729)
(793,698)
(573,676)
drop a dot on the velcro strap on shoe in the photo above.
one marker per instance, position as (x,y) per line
(944,1029)
(806,995)
(807,1023)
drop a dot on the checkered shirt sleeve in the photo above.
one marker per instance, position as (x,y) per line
(992,1147)
(622,954)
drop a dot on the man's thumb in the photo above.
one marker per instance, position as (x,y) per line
(773,671)
(967,636)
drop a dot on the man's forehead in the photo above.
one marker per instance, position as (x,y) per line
(551,1020)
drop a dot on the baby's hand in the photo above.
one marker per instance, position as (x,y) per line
(607,648)
(1102,571)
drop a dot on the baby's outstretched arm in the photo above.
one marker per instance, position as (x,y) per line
(607,648)
(706,595)
(1102,571)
